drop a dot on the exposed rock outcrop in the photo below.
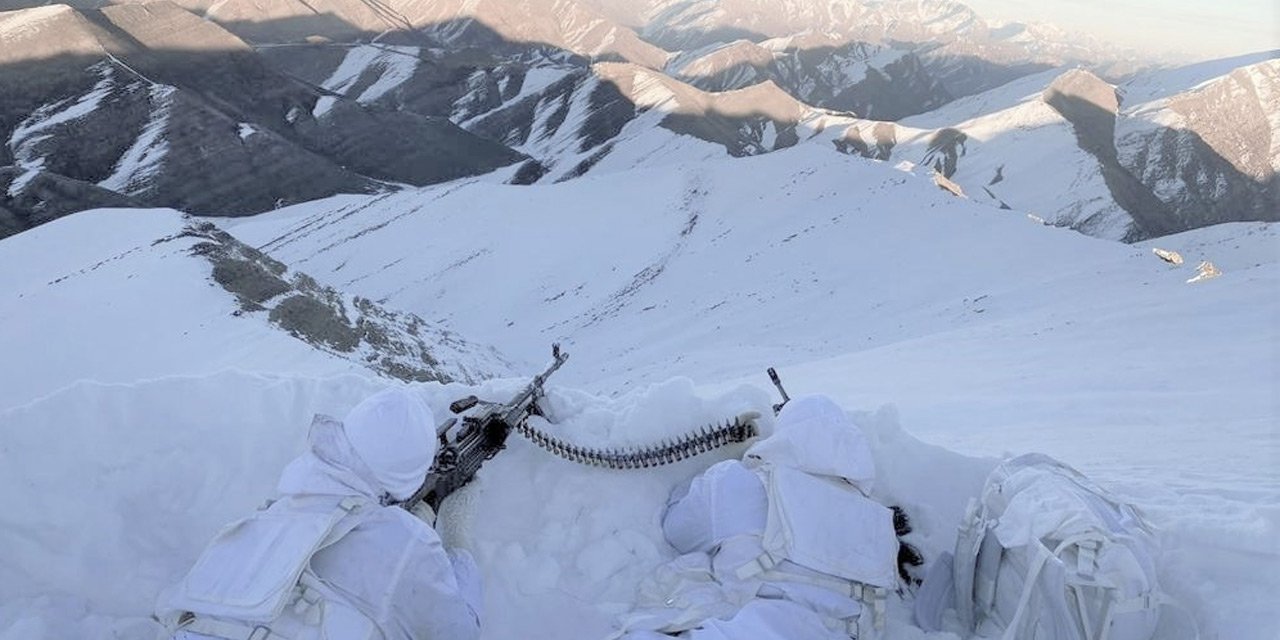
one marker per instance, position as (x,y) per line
(398,345)
(1211,154)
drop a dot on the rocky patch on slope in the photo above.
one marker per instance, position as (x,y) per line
(398,345)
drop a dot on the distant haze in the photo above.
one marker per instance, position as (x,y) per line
(1194,28)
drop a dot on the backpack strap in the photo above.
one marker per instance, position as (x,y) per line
(1086,545)
(1013,630)
(230,629)
(869,623)
(973,529)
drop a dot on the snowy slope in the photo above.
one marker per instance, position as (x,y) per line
(1165,83)
(800,226)
(989,332)
(140,327)
(1170,151)
(930,316)
(136,303)
(1212,150)
(1025,157)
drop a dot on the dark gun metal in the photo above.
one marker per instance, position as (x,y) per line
(777,382)
(482,435)
(656,455)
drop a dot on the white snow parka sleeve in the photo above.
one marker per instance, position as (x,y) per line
(725,500)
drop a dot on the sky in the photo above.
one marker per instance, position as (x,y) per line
(1195,28)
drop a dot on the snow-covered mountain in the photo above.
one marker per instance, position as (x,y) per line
(154,103)
(986,331)
(572,119)
(235,108)
(874,81)
(1111,161)
(1211,151)
(965,52)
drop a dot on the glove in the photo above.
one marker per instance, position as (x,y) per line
(470,581)
(423,512)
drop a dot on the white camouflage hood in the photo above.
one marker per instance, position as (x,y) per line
(385,445)
(814,435)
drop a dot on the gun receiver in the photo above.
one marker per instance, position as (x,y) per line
(484,431)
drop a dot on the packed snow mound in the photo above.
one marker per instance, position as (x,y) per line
(118,295)
(121,485)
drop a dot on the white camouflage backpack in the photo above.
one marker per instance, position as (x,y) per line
(1048,555)
(254,580)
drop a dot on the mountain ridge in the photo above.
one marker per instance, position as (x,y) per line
(293,121)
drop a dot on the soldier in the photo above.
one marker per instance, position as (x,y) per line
(333,557)
(783,544)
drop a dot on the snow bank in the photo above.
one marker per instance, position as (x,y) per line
(118,487)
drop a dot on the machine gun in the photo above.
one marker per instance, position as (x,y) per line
(486,425)
(484,431)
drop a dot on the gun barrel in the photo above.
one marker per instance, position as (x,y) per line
(777,382)
(520,404)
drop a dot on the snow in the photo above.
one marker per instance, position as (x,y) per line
(143,159)
(643,143)
(30,169)
(25,138)
(153,312)
(398,65)
(157,501)
(954,332)
(1161,85)
(854,69)
(1033,151)
(160,466)
(988,102)
(51,115)
(651,92)
(393,66)
(538,78)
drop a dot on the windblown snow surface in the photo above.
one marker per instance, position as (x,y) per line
(954,333)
